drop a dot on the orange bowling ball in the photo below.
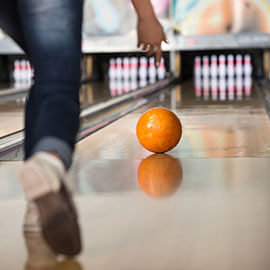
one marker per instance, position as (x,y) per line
(160,175)
(159,130)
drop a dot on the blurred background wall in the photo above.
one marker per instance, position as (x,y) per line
(190,17)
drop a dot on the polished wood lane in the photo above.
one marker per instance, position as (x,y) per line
(238,128)
(203,206)
(216,218)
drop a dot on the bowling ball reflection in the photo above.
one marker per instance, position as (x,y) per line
(41,257)
(160,175)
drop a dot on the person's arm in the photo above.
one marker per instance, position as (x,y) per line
(143,8)
(150,32)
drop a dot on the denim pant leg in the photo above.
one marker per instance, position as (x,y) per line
(52,30)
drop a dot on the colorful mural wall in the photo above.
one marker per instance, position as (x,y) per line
(190,17)
(221,16)
(116,17)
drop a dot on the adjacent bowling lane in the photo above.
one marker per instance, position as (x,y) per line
(12,105)
(204,205)
(12,101)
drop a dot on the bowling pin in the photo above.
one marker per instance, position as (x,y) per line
(239,87)
(119,87)
(239,67)
(161,72)
(222,66)
(197,66)
(126,67)
(214,67)
(143,68)
(214,88)
(143,83)
(247,85)
(119,69)
(205,70)
(206,88)
(112,87)
(112,69)
(231,87)
(126,86)
(198,86)
(24,73)
(134,68)
(29,73)
(247,65)
(230,66)
(152,70)
(16,71)
(133,84)
(222,89)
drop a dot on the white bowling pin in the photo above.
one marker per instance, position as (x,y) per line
(248,85)
(230,66)
(119,69)
(205,70)
(214,66)
(222,66)
(133,85)
(134,68)
(231,87)
(214,88)
(29,73)
(119,87)
(247,65)
(126,86)
(239,87)
(143,83)
(152,70)
(161,69)
(112,69)
(206,88)
(198,87)
(197,66)
(126,68)
(143,68)
(112,86)
(222,89)
(239,66)
(16,72)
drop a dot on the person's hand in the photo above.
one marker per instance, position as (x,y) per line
(150,36)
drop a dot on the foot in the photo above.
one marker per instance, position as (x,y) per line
(53,210)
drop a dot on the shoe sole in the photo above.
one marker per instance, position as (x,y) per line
(59,228)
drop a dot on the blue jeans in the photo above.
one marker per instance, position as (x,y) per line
(49,31)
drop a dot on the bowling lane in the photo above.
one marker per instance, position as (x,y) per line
(12,102)
(204,205)
(236,126)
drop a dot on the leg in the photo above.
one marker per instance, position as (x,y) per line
(52,30)
(53,37)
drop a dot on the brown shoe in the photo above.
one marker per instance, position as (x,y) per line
(58,220)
